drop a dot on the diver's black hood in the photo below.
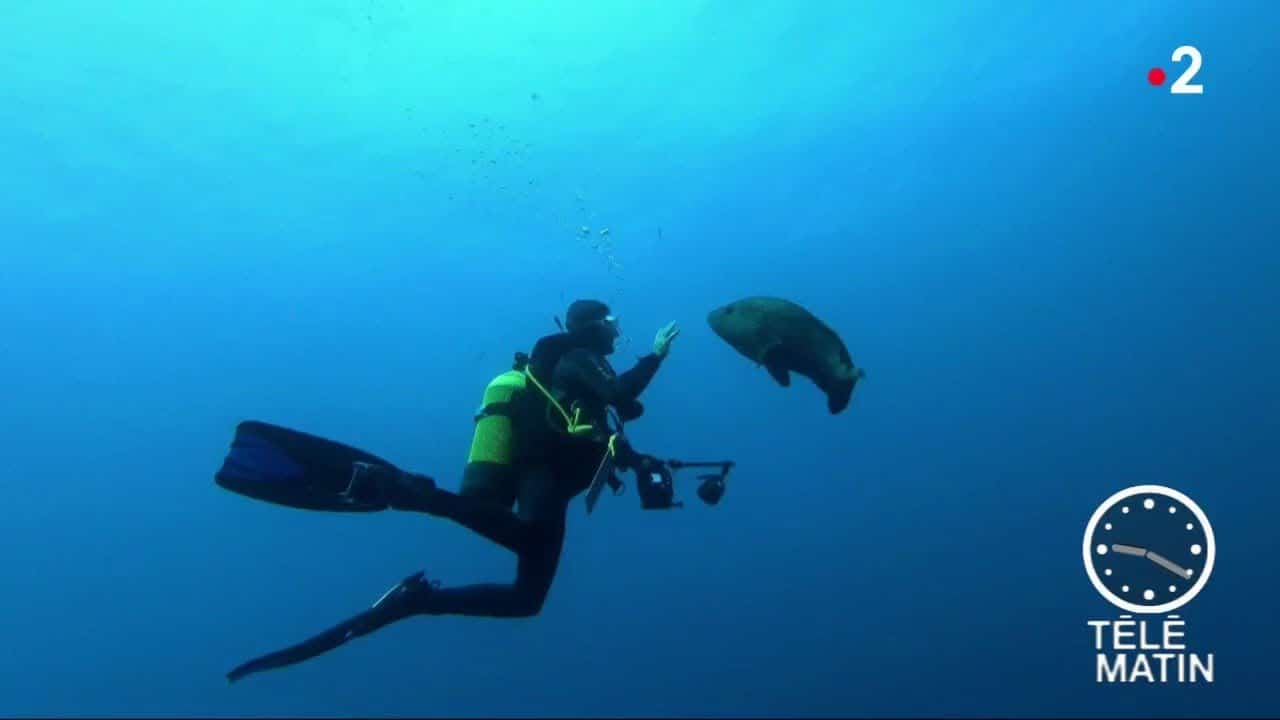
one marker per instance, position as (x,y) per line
(584,313)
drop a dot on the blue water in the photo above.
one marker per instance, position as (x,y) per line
(345,215)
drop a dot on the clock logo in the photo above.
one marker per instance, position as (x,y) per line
(1149,549)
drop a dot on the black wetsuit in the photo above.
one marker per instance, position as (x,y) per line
(558,469)
(547,483)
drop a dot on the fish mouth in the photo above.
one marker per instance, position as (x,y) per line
(716,316)
(714,319)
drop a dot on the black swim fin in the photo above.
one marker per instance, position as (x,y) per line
(408,597)
(299,470)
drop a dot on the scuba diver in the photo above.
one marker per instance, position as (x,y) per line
(543,436)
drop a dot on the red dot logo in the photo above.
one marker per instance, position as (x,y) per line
(1156,77)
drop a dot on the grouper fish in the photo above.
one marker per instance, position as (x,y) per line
(786,338)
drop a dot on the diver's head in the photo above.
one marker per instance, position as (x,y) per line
(591,321)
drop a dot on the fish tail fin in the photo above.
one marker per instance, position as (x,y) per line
(838,395)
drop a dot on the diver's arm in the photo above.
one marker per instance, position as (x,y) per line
(582,368)
(635,380)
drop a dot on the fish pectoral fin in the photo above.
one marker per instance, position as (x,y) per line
(780,374)
(774,363)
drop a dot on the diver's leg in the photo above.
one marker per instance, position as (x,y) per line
(490,520)
(543,505)
(419,493)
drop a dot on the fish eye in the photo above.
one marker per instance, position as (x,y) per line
(729,310)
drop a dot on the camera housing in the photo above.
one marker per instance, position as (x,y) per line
(655,486)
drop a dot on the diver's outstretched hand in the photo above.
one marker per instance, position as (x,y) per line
(662,341)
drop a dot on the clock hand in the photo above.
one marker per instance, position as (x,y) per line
(1156,558)
(1168,565)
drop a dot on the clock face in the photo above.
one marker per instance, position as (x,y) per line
(1149,549)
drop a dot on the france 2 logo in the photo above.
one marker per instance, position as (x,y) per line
(1182,86)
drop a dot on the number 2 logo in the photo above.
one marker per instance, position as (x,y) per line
(1183,86)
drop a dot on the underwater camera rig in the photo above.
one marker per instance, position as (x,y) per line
(655,481)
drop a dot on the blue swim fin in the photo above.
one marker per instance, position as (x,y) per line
(292,468)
